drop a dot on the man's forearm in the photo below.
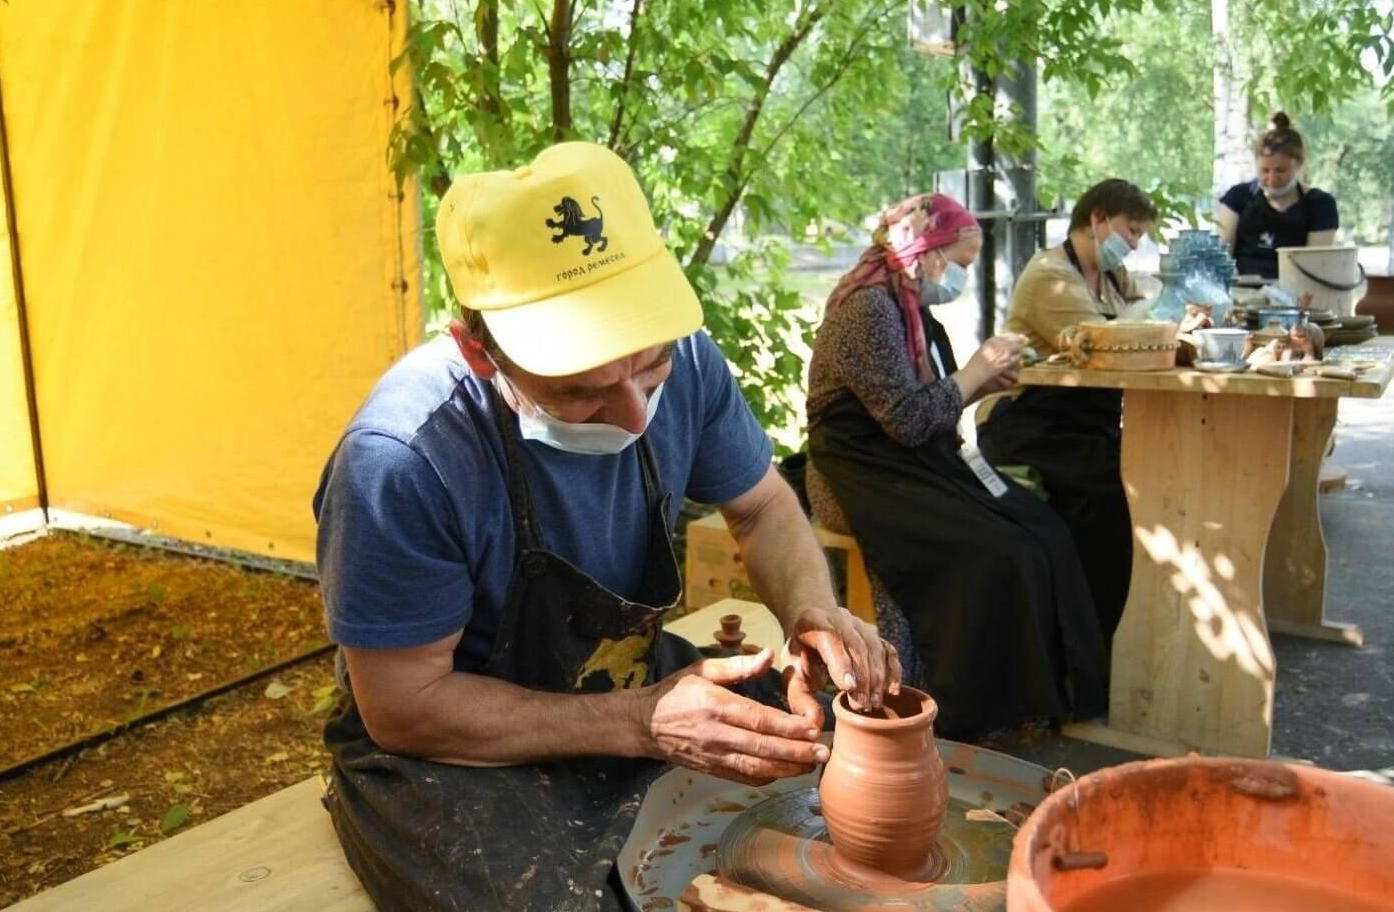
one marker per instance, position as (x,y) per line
(785,562)
(473,720)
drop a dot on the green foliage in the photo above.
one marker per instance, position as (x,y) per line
(733,113)
(1351,155)
(1156,128)
(120,837)
(175,817)
(753,124)
(1310,54)
(1152,127)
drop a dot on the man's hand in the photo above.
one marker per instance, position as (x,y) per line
(839,646)
(692,720)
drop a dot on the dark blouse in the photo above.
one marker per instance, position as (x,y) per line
(860,349)
(1262,229)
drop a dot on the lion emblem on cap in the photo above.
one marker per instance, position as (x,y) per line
(574,223)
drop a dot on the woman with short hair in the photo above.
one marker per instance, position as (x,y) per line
(1071,437)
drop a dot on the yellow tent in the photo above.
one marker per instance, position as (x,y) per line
(214,262)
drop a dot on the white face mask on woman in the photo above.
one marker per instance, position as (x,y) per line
(1112,251)
(587,439)
(948,288)
(1280,192)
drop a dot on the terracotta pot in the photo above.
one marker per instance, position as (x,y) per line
(1202,833)
(884,792)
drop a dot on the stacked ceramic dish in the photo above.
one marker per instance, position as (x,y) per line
(1350,330)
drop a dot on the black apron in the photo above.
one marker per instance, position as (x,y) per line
(430,836)
(1263,229)
(1072,438)
(997,604)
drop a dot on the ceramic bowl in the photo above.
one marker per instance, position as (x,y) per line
(1284,317)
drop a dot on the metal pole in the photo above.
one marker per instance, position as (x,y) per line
(17,278)
(1016,91)
(982,195)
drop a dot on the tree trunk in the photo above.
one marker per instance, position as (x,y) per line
(1233,159)
(486,29)
(559,67)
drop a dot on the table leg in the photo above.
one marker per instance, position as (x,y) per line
(1294,577)
(1193,667)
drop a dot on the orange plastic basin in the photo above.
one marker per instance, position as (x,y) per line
(1196,833)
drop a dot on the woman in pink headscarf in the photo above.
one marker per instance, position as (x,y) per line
(977,583)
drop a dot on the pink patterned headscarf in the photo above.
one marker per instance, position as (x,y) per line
(907,230)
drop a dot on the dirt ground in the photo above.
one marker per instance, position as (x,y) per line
(95,634)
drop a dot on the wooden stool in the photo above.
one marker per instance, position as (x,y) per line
(713,569)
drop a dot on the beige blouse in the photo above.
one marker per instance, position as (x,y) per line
(1051,295)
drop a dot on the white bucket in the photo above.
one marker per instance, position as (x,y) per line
(1332,275)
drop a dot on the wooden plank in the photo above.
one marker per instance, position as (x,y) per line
(1294,575)
(1192,662)
(1337,632)
(1100,733)
(278,854)
(1182,380)
(759,623)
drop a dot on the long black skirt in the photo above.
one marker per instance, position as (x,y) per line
(1071,437)
(997,602)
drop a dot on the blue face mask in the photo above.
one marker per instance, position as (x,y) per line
(588,438)
(1112,251)
(948,288)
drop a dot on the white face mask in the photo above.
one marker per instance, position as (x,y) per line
(587,439)
(1284,190)
(1112,251)
(948,288)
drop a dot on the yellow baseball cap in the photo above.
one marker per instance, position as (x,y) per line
(562,259)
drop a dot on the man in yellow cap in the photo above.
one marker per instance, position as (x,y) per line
(495,561)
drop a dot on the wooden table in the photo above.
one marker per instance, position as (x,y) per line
(1220,472)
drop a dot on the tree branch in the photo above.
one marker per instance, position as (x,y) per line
(628,73)
(848,56)
(733,174)
(558,68)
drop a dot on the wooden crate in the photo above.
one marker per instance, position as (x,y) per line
(714,570)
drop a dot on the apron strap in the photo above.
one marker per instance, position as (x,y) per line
(1113,279)
(525,526)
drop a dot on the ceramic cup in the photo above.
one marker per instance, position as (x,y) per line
(1222,346)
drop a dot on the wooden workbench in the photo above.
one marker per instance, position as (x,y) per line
(1220,472)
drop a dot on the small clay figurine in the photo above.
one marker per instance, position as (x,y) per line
(1303,343)
(1306,342)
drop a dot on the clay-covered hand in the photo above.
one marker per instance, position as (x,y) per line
(838,646)
(993,367)
(691,719)
(1197,317)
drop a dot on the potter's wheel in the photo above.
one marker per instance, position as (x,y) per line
(689,822)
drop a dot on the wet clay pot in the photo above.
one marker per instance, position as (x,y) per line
(1195,834)
(884,792)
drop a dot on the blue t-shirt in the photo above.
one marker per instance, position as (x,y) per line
(415,530)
